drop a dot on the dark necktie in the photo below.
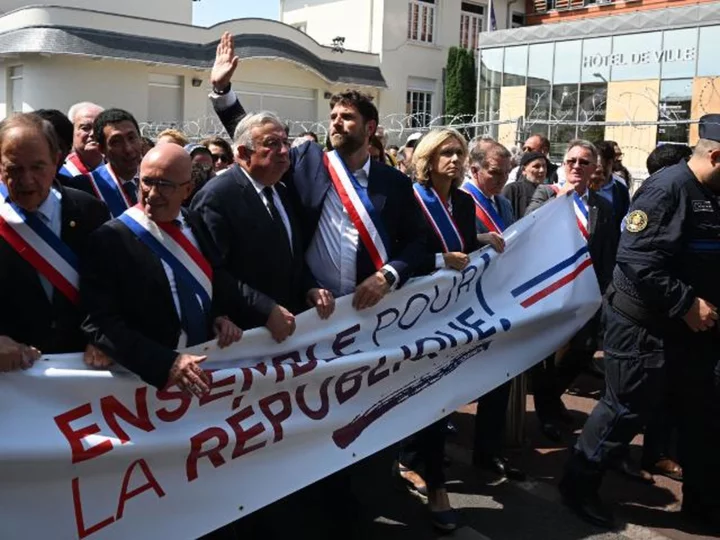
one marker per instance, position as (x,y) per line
(130,190)
(268,194)
(192,315)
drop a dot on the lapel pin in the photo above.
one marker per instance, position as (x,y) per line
(72,224)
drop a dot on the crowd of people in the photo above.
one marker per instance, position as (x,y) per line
(131,250)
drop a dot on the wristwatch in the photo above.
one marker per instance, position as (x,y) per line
(389,277)
(223,91)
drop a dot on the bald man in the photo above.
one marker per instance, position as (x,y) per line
(152,284)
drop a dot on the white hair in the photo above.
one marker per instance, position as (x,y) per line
(79,107)
(243,131)
(587,145)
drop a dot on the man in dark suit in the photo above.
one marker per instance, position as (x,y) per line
(254,226)
(43,231)
(115,182)
(550,381)
(339,260)
(489,167)
(145,301)
(611,187)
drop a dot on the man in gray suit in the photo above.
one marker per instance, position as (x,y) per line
(553,377)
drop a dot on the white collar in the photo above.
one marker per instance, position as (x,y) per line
(257,185)
(51,205)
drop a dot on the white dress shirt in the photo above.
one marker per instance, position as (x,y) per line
(278,204)
(50,213)
(187,232)
(332,255)
(439,259)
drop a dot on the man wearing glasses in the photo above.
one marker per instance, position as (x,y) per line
(595,221)
(152,284)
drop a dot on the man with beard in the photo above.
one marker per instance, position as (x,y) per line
(86,155)
(338,194)
(661,325)
(598,226)
(115,182)
(342,261)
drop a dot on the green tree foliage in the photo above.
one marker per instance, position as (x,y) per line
(460,85)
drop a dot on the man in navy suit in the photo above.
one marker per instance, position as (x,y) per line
(490,167)
(340,258)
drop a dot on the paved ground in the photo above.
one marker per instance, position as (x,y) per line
(530,510)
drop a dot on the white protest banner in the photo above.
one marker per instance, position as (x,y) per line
(98,454)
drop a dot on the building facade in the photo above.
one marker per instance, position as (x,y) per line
(412,39)
(157,66)
(640,78)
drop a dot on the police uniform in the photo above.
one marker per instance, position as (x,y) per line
(669,255)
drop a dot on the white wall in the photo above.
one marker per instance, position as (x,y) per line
(163,10)
(327,19)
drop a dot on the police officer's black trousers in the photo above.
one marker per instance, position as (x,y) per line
(635,383)
(693,368)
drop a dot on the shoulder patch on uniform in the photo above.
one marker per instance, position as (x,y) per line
(702,206)
(637,220)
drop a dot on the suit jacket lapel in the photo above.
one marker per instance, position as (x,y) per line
(376,188)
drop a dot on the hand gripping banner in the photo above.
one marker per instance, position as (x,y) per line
(98,454)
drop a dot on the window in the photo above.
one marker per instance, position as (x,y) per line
(596,60)
(708,45)
(633,57)
(471,24)
(540,64)
(515,66)
(518,20)
(15,82)
(592,108)
(679,53)
(165,99)
(675,101)
(491,65)
(418,108)
(567,62)
(421,20)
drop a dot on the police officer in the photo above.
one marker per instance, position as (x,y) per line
(661,325)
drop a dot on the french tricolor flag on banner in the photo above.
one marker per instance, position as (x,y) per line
(552,279)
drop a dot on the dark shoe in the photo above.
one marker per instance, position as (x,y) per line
(444,520)
(587,505)
(551,432)
(667,467)
(501,467)
(631,470)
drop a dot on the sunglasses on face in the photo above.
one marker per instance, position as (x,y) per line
(571,162)
(221,157)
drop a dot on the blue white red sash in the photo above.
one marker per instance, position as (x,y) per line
(439,218)
(73,166)
(484,209)
(40,246)
(360,208)
(581,213)
(169,243)
(108,188)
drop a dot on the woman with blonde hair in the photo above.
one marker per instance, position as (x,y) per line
(438,162)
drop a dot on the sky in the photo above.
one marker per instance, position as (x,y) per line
(210,12)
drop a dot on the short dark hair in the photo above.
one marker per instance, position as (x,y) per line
(362,102)
(62,125)
(218,141)
(666,155)
(393,147)
(111,116)
(606,150)
(310,134)
(544,141)
(32,121)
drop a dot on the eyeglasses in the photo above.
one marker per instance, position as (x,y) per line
(221,157)
(276,144)
(166,188)
(571,162)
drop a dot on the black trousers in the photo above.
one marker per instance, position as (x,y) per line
(552,377)
(490,420)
